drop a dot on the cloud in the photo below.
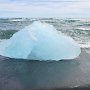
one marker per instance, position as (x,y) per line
(44,8)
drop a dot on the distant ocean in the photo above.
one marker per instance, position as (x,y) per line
(18,74)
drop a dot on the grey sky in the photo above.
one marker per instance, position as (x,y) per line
(45,8)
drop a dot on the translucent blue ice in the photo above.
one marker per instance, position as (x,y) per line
(20,44)
(41,41)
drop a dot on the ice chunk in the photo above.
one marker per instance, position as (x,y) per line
(52,45)
(41,41)
(20,44)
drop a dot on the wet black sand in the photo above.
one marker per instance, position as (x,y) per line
(40,75)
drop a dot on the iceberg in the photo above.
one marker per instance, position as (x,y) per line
(41,41)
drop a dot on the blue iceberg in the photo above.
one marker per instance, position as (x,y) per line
(41,41)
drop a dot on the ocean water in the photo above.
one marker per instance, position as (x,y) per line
(78,29)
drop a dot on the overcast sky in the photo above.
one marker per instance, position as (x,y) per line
(44,8)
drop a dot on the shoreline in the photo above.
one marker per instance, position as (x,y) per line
(42,75)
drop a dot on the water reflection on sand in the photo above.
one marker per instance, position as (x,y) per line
(36,75)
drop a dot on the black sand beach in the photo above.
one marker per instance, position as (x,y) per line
(45,75)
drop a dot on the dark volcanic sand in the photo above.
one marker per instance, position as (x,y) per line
(41,75)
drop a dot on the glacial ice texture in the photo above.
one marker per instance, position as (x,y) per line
(41,41)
